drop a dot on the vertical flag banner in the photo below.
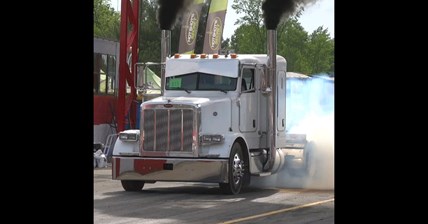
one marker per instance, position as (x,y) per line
(215,25)
(189,28)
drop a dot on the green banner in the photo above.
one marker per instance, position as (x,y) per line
(215,26)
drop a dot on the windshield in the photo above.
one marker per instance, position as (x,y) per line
(200,81)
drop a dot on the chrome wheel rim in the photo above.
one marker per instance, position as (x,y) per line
(237,169)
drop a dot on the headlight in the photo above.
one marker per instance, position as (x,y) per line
(211,139)
(128,136)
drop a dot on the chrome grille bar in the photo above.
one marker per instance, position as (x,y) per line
(168,130)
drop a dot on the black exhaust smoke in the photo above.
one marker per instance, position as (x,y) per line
(169,11)
(274,10)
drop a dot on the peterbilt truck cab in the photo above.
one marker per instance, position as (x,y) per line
(220,119)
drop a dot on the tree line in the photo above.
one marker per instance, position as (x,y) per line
(305,53)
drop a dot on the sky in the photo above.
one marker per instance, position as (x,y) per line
(319,14)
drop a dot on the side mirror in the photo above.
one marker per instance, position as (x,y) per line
(265,89)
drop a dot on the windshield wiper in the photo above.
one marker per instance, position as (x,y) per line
(221,90)
(187,91)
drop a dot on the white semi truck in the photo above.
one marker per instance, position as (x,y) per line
(218,119)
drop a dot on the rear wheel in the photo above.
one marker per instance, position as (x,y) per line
(236,171)
(132,185)
(308,168)
(310,162)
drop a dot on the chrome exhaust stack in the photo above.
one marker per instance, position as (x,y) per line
(271,66)
(165,53)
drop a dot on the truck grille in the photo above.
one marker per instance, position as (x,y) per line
(168,130)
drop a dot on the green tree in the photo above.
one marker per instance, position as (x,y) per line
(292,44)
(150,33)
(305,54)
(320,51)
(247,41)
(250,36)
(251,10)
(225,44)
(106,21)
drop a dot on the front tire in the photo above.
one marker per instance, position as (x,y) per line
(237,170)
(132,185)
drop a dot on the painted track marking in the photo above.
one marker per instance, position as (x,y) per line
(277,211)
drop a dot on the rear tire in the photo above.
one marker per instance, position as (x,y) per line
(310,161)
(132,185)
(237,171)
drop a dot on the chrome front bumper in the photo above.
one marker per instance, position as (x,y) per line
(170,169)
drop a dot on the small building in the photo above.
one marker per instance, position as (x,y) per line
(106,70)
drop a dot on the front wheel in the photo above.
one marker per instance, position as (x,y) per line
(237,170)
(132,185)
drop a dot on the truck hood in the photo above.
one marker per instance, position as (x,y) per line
(197,101)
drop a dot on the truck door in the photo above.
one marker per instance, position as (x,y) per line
(280,110)
(248,110)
